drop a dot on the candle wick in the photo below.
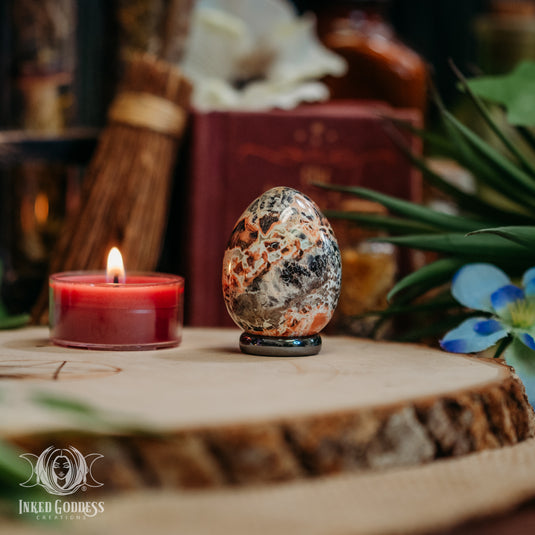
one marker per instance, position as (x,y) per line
(116,279)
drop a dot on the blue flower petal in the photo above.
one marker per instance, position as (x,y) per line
(504,296)
(473,284)
(529,288)
(488,326)
(465,339)
(528,279)
(527,340)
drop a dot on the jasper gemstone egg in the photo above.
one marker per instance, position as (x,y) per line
(282,268)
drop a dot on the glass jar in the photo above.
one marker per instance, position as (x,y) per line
(369,272)
(380,66)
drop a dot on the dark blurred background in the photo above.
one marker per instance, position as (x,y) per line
(60,62)
(438,30)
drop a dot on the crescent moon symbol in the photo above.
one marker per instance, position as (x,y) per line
(28,457)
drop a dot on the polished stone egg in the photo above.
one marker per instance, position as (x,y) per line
(282,268)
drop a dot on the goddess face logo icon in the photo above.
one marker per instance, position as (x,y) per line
(61,471)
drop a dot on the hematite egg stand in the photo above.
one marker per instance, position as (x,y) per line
(281,274)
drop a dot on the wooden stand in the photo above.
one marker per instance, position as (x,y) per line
(205,415)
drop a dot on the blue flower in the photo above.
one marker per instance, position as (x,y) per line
(509,315)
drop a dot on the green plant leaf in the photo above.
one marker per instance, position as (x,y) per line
(444,302)
(436,328)
(7,321)
(514,91)
(508,144)
(395,225)
(434,142)
(502,346)
(481,167)
(410,210)
(13,471)
(428,276)
(521,357)
(483,247)
(90,417)
(524,236)
(502,223)
(14,322)
(465,201)
(12,467)
(516,176)
(527,135)
(69,405)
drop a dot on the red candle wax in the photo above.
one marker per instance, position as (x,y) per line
(144,312)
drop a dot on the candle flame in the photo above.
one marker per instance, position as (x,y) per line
(115,266)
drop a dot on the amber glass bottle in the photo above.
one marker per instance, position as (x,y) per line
(369,271)
(380,67)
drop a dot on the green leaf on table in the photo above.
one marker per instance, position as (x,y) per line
(92,418)
(12,467)
(13,322)
(69,405)
(14,470)
(514,91)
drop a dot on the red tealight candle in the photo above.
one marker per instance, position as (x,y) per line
(97,310)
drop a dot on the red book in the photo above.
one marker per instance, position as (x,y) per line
(236,156)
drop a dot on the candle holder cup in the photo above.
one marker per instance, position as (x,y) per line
(145,312)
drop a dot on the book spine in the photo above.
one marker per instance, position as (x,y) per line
(206,211)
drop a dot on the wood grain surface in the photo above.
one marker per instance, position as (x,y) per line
(205,415)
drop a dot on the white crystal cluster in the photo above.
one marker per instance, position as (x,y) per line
(255,55)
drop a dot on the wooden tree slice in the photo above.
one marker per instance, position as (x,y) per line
(211,416)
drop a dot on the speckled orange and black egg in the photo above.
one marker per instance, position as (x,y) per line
(282,268)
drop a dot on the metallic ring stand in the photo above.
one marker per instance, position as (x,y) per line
(273,346)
